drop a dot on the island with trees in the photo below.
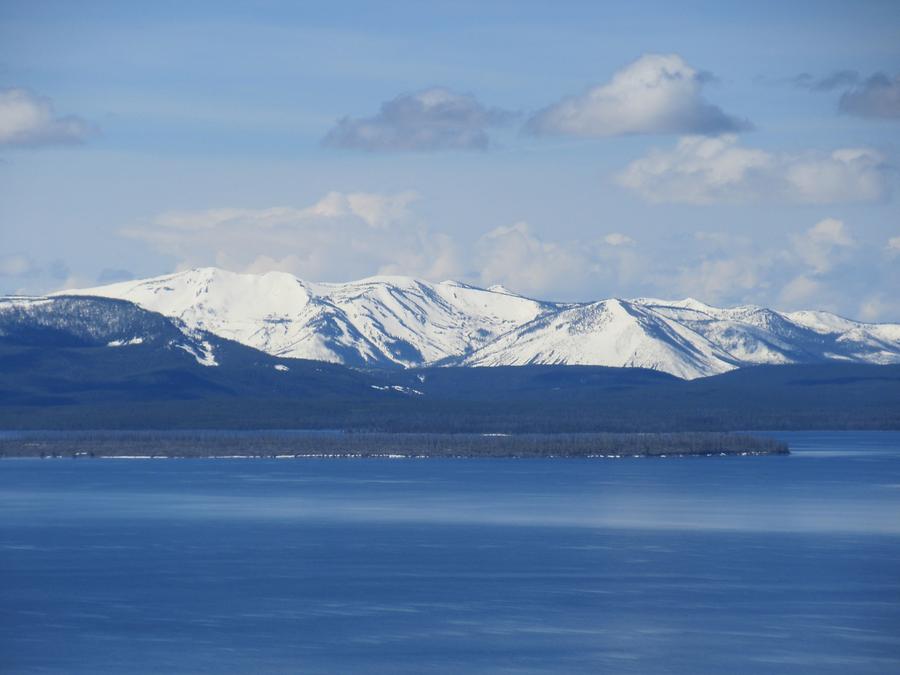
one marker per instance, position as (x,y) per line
(291,444)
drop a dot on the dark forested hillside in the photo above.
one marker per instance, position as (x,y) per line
(66,375)
(118,393)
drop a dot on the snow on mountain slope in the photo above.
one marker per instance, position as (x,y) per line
(607,333)
(275,313)
(393,320)
(749,334)
(756,335)
(375,321)
(80,321)
(415,322)
(854,340)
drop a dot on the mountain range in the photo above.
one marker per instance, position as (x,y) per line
(90,362)
(401,322)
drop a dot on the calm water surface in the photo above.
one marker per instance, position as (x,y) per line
(701,565)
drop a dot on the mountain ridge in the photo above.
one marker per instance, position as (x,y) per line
(96,363)
(403,322)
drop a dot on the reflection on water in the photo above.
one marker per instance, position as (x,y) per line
(756,564)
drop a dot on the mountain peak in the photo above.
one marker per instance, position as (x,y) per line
(393,320)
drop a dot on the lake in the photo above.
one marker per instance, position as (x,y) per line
(681,565)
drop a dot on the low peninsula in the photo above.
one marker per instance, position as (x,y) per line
(299,444)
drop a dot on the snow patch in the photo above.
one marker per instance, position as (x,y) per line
(203,353)
(125,343)
(397,387)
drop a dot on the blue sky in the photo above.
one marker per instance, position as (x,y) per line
(734,152)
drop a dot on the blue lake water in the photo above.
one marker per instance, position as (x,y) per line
(695,565)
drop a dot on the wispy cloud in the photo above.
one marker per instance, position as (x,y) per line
(840,79)
(876,96)
(428,120)
(656,94)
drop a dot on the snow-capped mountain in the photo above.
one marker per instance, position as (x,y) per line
(400,321)
(91,321)
(607,333)
(376,321)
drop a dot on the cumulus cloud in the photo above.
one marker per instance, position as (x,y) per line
(30,120)
(717,267)
(821,246)
(823,266)
(657,94)
(701,170)
(342,236)
(432,119)
(801,291)
(513,256)
(879,307)
(518,258)
(820,266)
(723,279)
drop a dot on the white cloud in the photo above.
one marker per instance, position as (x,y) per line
(702,170)
(879,307)
(820,267)
(27,119)
(722,279)
(513,256)
(618,239)
(893,246)
(432,119)
(375,210)
(518,258)
(801,291)
(847,175)
(657,94)
(346,236)
(823,245)
(342,236)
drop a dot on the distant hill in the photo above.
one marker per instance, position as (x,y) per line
(88,362)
